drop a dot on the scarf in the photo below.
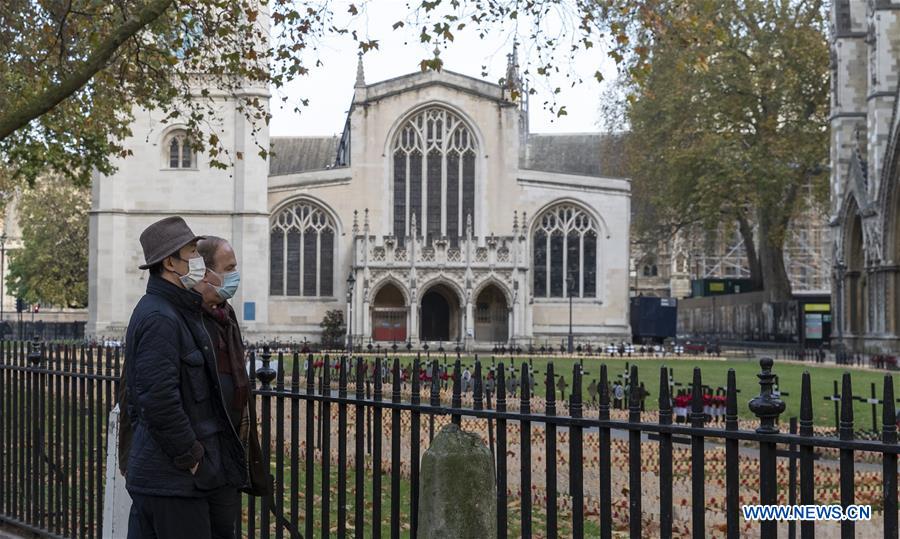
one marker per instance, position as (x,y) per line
(230,352)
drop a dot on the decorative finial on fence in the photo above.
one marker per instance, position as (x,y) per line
(731,409)
(806,408)
(845,430)
(698,417)
(575,397)
(889,416)
(266,373)
(34,353)
(665,399)
(766,405)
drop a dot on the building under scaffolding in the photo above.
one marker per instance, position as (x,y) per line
(668,270)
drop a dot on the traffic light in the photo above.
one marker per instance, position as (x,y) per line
(20,305)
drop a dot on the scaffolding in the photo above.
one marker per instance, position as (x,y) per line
(807,256)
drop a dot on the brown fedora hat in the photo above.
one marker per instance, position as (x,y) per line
(163,238)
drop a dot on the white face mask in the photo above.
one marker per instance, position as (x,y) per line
(196,272)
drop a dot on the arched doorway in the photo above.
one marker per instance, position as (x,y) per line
(439,315)
(491,316)
(389,315)
(856,279)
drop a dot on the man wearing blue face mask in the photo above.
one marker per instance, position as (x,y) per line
(222,326)
(220,285)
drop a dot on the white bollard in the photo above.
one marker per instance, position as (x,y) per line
(116,500)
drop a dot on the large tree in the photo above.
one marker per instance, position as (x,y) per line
(728,115)
(51,267)
(73,71)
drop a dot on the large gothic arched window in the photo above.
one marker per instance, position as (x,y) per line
(565,253)
(302,248)
(433,174)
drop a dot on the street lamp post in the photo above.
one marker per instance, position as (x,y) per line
(351,280)
(513,314)
(570,282)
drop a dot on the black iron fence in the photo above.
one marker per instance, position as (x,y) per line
(344,438)
(54,405)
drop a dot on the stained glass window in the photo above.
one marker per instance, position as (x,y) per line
(573,265)
(415,190)
(556,264)
(276,262)
(326,270)
(454,224)
(434,194)
(174,153)
(310,264)
(180,154)
(400,164)
(294,239)
(589,267)
(186,155)
(442,193)
(540,264)
(302,241)
(570,253)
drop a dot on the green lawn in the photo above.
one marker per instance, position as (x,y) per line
(714,373)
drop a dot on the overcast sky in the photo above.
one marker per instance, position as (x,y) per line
(329,87)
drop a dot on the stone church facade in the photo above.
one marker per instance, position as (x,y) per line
(865,172)
(456,224)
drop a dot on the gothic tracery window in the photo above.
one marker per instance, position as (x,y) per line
(565,253)
(179,153)
(433,175)
(302,246)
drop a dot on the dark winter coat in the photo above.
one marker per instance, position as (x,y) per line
(174,403)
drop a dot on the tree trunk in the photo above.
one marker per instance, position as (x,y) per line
(746,231)
(771,261)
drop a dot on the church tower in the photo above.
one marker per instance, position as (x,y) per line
(166,177)
(865,63)
(848,89)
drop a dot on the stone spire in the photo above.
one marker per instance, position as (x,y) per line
(366,222)
(515,222)
(355,222)
(412,225)
(360,74)
(513,78)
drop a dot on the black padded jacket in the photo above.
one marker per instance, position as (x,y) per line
(174,403)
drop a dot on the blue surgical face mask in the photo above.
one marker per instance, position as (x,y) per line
(230,282)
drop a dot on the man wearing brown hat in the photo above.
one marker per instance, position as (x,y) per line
(185,458)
